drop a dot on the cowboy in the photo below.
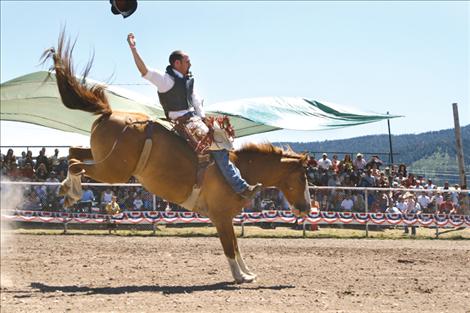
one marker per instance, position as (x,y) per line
(182,105)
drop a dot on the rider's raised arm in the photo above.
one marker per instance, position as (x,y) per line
(137,59)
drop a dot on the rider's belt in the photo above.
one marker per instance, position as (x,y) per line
(183,119)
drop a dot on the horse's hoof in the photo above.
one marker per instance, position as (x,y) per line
(245,279)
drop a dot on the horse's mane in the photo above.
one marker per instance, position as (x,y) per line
(269,149)
(75,94)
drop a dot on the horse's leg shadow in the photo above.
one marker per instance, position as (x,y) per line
(229,286)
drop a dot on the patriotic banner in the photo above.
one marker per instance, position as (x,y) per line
(322,217)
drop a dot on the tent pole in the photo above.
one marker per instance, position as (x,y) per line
(390,158)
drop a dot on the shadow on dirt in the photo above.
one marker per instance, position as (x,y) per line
(153,288)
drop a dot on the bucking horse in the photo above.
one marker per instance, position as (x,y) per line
(118,141)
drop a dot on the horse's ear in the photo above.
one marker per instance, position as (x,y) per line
(304,159)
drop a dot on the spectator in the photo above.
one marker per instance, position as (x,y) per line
(21,160)
(392,209)
(437,200)
(367,180)
(335,164)
(41,172)
(359,163)
(412,207)
(112,208)
(29,159)
(32,201)
(347,204)
(429,185)
(424,201)
(138,203)
(54,160)
(27,172)
(86,201)
(324,163)
(106,197)
(401,205)
(41,192)
(402,170)
(52,179)
(374,161)
(9,160)
(359,203)
(447,207)
(42,159)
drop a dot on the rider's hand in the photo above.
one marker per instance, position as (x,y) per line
(131,40)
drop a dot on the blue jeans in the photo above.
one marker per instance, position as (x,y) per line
(229,171)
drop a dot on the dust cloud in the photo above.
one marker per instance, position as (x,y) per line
(11,197)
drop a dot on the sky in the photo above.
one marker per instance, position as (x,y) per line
(403,57)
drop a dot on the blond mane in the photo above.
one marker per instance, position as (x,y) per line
(267,148)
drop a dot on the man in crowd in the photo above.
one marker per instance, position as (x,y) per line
(324,163)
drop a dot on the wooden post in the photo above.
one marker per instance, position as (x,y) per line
(367,212)
(390,142)
(459,147)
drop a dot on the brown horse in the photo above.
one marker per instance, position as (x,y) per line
(170,172)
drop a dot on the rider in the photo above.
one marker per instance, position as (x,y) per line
(181,102)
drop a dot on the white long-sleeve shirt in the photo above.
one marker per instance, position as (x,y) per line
(164,82)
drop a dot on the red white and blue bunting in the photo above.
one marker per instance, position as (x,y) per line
(322,217)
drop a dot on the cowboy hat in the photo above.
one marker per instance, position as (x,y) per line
(123,7)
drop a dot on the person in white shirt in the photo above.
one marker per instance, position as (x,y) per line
(182,105)
(324,163)
(347,204)
(359,163)
(424,200)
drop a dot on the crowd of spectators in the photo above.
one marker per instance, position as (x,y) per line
(426,197)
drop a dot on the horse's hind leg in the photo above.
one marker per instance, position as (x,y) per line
(229,243)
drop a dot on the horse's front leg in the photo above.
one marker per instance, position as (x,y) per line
(240,271)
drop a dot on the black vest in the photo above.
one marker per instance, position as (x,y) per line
(179,97)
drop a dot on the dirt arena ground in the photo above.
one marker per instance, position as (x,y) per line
(86,273)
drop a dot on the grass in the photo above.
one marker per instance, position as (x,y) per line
(257,232)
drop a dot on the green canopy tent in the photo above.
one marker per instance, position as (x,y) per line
(34,98)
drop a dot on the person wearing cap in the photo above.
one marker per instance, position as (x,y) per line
(359,163)
(412,207)
(124,7)
(182,105)
(324,163)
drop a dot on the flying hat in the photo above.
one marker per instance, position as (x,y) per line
(123,7)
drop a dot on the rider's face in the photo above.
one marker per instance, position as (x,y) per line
(183,65)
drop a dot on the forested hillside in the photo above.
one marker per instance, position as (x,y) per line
(429,152)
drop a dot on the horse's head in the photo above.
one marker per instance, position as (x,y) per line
(283,169)
(294,184)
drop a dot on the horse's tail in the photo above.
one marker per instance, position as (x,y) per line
(75,94)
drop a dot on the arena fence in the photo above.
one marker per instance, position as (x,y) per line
(12,212)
